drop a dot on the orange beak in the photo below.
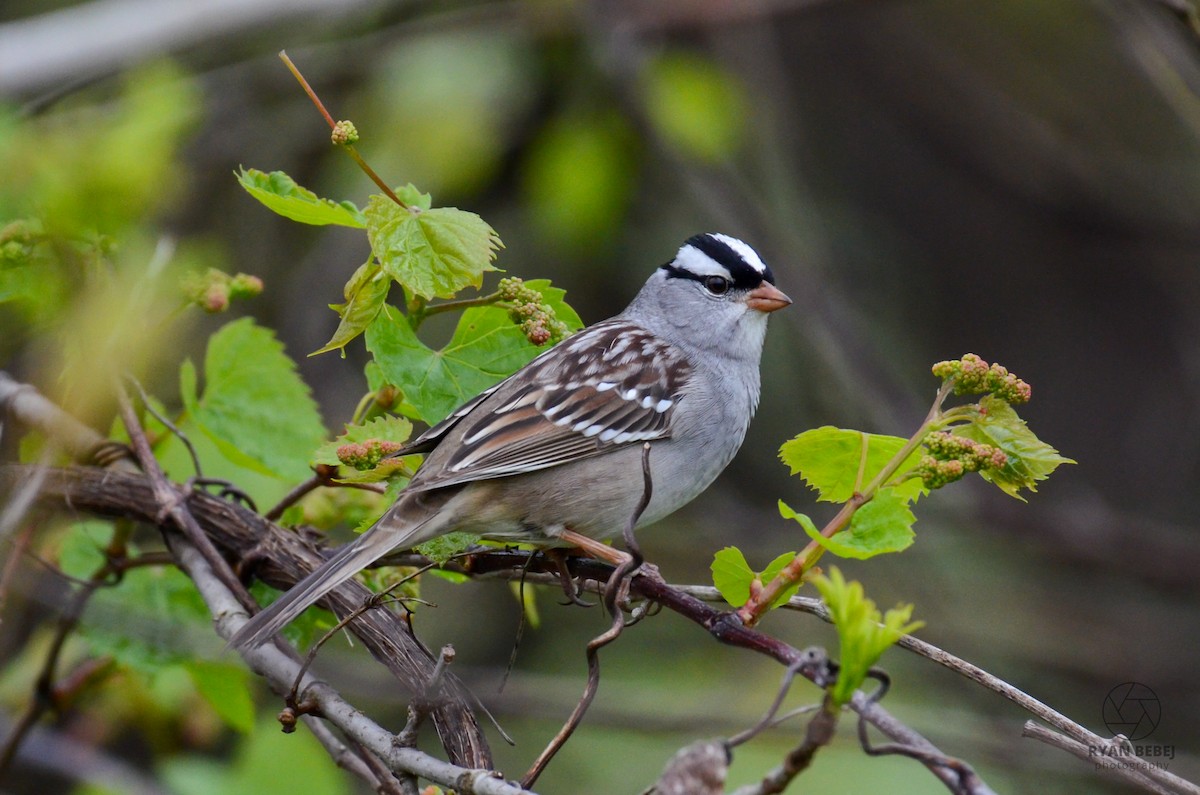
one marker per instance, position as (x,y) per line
(767,298)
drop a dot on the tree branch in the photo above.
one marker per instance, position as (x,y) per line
(281,557)
(280,670)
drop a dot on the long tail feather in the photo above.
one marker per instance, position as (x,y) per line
(348,561)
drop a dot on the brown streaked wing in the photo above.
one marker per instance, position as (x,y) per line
(609,386)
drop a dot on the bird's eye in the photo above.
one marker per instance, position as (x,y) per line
(717,285)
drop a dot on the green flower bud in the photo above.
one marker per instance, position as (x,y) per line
(344,133)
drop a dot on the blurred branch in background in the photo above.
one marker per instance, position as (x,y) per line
(86,42)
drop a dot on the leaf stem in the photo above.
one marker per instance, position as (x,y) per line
(760,602)
(370,172)
(287,61)
(350,150)
(462,303)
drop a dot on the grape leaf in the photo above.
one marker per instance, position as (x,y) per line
(486,347)
(863,634)
(1029,458)
(81,551)
(144,624)
(365,294)
(829,460)
(882,525)
(444,547)
(282,195)
(226,688)
(386,429)
(431,252)
(733,576)
(413,197)
(254,406)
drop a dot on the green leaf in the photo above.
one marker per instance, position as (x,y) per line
(486,347)
(863,634)
(365,294)
(732,576)
(413,197)
(254,406)
(882,525)
(81,551)
(386,429)
(1029,458)
(444,547)
(143,624)
(829,460)
(281,194)
(226,688)
(431,252)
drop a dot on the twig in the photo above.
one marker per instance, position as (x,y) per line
(173,504)
(108,494)
(1147,775)
(418,709)
(817,735)
(240,531)
(813,658)
(172,427)
(47,695)
(19,503)
(357,761)
(322,476)
(614,591)
(19,546)
(966,781)
(370,603)
(461,303)
(28,406)
(1088,753)
(317,480)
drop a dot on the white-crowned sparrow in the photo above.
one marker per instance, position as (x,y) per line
(552,454)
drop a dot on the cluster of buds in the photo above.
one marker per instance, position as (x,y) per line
(973,376)
(949,457)
(213,290)
(529,310)
(366,455)
(344,133)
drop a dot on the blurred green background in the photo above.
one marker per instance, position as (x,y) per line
(1019,179)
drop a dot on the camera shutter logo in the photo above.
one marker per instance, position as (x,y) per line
(1132,709)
